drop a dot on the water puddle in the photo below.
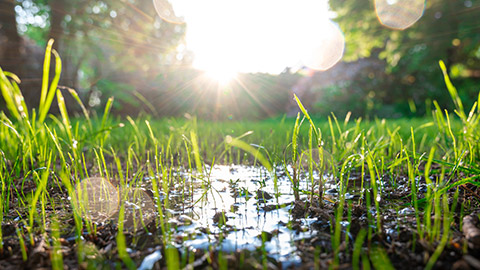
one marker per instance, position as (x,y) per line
(229,209)
(240,208)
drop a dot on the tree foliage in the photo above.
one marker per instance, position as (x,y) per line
(448,31)
(96,39)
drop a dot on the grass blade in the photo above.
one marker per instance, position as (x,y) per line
(453,91)
(106,112)
(305,112)
(46,73)
(64,113)
(8,94)
(250,149)
(380,259)
(47,101)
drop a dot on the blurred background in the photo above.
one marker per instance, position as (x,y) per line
(232,60)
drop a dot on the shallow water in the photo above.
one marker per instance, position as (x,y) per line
(233,207)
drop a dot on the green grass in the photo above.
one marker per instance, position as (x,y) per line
(50,152)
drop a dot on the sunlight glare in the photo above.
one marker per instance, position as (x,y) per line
(250,36)
(221,75)
(168,10)
(398,14)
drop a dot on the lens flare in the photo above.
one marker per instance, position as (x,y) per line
(168,10)
(139,209)
(95,199)
(318,158)
(399,14)
(326,49)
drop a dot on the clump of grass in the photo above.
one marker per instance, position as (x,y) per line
(458,153)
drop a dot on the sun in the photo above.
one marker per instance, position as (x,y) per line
(222,75)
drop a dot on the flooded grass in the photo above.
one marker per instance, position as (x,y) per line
(247,214)
(108,193)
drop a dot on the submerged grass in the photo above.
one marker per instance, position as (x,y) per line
(433,160)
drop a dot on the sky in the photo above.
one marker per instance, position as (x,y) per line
(229,36)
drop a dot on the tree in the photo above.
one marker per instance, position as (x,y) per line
(433,37)
(96,39)
(10,56)
(448,30)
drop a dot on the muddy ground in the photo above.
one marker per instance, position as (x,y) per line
(239,218)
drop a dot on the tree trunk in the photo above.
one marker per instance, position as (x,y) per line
(11,43)
(70,67)
(56,17)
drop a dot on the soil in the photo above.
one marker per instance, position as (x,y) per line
(239,218)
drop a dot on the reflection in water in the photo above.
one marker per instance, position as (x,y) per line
(399,14)
(248,198)
(233,208)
